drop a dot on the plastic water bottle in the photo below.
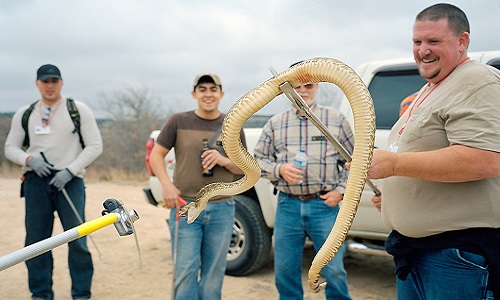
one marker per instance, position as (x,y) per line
(300,161)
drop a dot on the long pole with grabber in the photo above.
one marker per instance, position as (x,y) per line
(114,213)
(182,202)
(73,208)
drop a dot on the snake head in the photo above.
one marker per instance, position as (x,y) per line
(192,210)
(318,287)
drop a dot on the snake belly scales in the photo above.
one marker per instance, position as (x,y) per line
(309,71)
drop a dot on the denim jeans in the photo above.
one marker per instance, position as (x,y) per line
(446,274)
(295,220)
(42,200)
(201,251)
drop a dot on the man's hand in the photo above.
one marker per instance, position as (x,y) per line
(290,173)
(40,167)
(383,163)
(332,198)
(170,195)
(377,201)
(61,178)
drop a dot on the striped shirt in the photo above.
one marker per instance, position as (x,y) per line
(286,133)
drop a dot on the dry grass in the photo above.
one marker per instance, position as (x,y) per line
(113,175)
(8,170)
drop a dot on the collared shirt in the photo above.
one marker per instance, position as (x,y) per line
(286,133)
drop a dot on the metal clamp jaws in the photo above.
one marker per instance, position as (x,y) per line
(124,224)
(301,105)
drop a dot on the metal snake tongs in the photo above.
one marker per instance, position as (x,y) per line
(301,105)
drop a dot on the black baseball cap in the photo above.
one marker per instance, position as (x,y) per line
(48,71)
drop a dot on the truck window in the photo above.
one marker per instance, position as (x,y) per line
(388,88)
(495,63)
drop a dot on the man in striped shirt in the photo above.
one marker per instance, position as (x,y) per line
(308,199)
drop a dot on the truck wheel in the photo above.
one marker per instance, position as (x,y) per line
(250,247)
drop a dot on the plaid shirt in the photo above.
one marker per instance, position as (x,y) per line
(286,133)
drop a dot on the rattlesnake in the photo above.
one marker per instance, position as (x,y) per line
(309,71)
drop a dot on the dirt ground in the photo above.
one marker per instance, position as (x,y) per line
(119,274)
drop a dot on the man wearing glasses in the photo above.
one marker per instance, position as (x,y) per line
(308,198)
(54,162)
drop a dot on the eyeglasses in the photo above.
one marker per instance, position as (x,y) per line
(46,115)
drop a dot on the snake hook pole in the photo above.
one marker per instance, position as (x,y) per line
(114,213)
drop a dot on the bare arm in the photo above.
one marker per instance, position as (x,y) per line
(169,190)
(456,163)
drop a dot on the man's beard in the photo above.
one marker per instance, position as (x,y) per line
(432,76)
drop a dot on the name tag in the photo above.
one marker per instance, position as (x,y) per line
(319,138)
(42,130)
(393,147)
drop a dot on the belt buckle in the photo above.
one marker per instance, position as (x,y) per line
(307,197)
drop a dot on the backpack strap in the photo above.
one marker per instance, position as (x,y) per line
(75,117)
(73,113)
(24,123)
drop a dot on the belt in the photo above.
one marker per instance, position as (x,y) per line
(308,196)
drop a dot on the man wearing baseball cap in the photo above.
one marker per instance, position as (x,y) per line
(48,71)
(207,77)
(202,246)
(53,161)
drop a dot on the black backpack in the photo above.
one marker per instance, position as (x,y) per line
(73,112)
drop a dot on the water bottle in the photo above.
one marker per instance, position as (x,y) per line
(206,172)
(300,161)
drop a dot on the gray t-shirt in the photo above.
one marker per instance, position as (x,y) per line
(463,110)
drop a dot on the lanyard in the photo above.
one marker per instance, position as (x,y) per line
(45,121)
(417,103)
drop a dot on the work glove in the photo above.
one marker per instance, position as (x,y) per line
(61,178)
(40,167)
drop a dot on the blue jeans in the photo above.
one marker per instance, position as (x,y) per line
(446,274)
(201,251)
(295,220)
(42,200)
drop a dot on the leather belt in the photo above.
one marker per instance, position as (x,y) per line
(308,196)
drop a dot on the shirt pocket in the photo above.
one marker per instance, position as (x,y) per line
(415,126)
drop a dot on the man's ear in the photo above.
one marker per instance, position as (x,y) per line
(464,41)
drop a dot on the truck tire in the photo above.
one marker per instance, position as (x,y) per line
(250,247)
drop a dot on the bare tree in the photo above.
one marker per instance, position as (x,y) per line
(132,104)
(134,113)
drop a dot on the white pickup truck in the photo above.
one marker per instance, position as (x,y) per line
(389,82)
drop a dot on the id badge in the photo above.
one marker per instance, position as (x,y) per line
(42,129)
(393,147)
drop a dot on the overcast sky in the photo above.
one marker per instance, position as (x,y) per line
(105,46)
